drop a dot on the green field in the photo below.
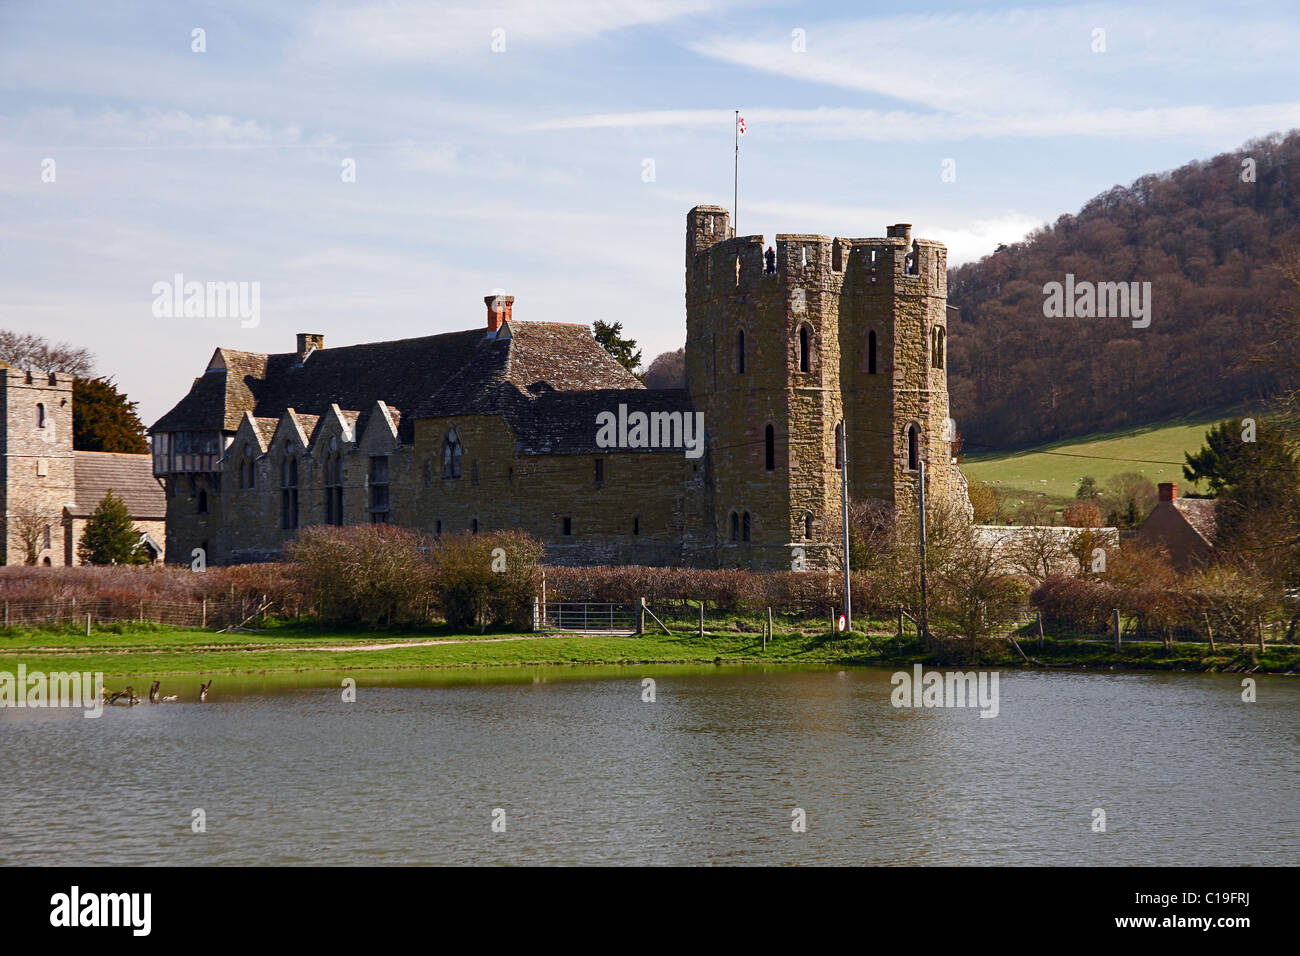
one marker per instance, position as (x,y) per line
(1054,470)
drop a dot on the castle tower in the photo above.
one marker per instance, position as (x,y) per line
(840,330)
(37,471)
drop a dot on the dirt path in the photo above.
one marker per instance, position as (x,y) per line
(256,648)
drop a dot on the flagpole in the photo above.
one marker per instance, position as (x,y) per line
(735,179)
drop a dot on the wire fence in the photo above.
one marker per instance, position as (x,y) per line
(213,614)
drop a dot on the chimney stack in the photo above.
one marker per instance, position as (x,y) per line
(902,230)
(498,310)
(1168,491)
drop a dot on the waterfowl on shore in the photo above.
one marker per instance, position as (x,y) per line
(124,698)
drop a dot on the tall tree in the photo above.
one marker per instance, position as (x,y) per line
(625,352)
(110,536)
(103,419)
(668,370)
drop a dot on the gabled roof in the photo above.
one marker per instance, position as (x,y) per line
(129,476)
(437,375)
(1200,514)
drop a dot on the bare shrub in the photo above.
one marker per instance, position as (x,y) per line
(363,574)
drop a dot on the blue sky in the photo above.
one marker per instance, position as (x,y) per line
(523,169)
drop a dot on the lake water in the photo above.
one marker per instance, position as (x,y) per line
(586,772)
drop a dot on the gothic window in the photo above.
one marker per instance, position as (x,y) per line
(740,351)
(913,446)
(744,524)
(936,347)
(769,448)
(40,414)
(289,493)
(807,525)
(451,454)
(805,349)
(871,352)
(333,489)
(379,489)
(735,526)
(47,536)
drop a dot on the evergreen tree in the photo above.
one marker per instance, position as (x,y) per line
(1087,490)
(610,336)
(104,420)
(110,536)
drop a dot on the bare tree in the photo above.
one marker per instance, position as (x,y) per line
(29,522)
(668,370)
(28,350)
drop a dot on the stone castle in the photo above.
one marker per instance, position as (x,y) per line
(498,427)
(49,490)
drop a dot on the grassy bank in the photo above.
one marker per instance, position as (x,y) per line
(145,651)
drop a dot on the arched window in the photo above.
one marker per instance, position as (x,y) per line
(769,448)
(745,525)
(913,446)
(839,446)
(289,492)
(40,414)
(740,351)
(871,352)
(805,349)
(451,454)
(936,347)
(807,525)
(735,526)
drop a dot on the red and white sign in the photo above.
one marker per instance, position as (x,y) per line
(842,623)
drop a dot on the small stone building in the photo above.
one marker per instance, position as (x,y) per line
(1183,526)
(48,489)
(532,425)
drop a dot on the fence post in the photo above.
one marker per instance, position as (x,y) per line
(1259,629)
(769,625)
(205,613)
(1039,615)
(6,613)
(534,613)
(640,617)
(88,625)
(1209,632)
(701,620)
(1115,614)
(142,612)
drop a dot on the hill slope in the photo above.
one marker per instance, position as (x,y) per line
(1208,241)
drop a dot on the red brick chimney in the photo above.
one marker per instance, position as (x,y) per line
(1168,491)
(498,310)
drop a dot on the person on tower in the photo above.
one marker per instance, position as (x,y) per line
(770,256)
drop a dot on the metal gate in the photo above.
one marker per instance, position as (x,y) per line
(584,618)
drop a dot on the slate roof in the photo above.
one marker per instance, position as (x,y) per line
(437,375)
(130,477)
(1199,513)
(564,423)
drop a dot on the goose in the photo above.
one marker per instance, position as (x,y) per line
(154,696)
(203,690)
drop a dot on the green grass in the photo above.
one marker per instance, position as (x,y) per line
(1054,470)
(174,655)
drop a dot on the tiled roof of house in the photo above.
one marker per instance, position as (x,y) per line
(564,423)
(1199,513)
(437,375)
(129,476)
